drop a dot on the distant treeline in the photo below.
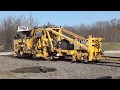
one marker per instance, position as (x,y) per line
(110,30)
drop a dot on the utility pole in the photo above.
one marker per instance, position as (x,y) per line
(30,19)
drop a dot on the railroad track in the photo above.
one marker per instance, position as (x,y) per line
(113,61)
(108,60)
(108,63)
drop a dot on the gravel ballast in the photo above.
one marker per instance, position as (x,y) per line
(59,69)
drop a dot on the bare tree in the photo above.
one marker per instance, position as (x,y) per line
(110,30)
(49,24)
(9,27)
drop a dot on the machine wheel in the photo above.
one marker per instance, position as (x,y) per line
(33,57)
(62,58)
(96,61)
(86,60)
(50,58)
(20,54)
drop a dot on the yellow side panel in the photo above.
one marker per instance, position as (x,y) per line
(15,43)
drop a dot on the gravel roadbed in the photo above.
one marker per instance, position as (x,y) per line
(64,69)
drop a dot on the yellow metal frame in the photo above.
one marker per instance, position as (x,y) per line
(39,46)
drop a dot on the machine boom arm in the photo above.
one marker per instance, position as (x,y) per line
(73,34)
(69,39)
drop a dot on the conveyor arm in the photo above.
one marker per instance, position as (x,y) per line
(73,34)
(69,39)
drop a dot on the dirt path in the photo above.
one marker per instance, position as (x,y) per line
(6,53)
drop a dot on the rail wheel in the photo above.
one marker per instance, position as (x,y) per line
(20,54)
(86,60)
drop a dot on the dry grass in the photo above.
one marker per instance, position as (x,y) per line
(107,46)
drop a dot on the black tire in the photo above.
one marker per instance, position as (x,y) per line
(96,61)
(33,57)
(86,60)
(62,58)
(18,55)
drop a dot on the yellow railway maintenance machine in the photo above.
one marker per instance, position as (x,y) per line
(50,43)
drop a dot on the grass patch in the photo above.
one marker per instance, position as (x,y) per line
(107,46)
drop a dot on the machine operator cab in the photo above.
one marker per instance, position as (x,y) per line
(23,28)
(23,32)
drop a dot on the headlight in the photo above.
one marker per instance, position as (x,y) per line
(58,54)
